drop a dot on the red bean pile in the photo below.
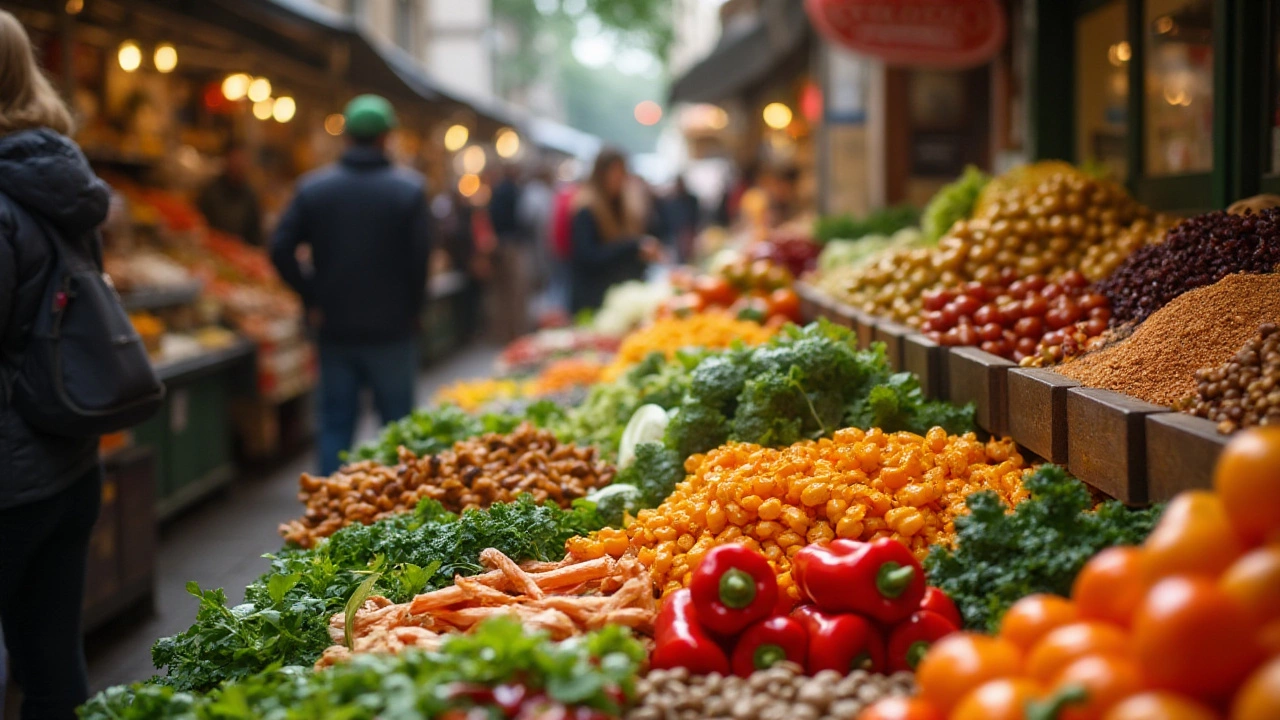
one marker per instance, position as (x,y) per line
(1018,319)
(1198,251)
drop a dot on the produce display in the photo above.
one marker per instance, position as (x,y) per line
(432,430)
(560,599)
(953,203)
(566,374)
(757,290)
(885,221)
(1201,328)
(795,251)
(840,257)
(1020,320)
(475,473)
(529,354)
(1244,391)
(1196,252)
(856,485)
(473,395)
(667,336)
(1185,625)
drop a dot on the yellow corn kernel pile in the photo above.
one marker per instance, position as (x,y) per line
(473,395)
(858,485)
(711,330)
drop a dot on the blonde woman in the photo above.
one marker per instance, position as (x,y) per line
(50,485)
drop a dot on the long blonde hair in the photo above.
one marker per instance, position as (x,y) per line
(27,100)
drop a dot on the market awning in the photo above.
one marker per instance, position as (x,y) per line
(746,57)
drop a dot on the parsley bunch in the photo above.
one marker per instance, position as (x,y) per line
(587,671)
(1039,547)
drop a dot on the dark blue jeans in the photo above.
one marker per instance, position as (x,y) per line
(387,369)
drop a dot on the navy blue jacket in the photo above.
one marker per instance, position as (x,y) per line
(366,222)
(597,264)
(42,174)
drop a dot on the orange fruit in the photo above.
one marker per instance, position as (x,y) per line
(1110,586)
(1259,698)
(1069,643)
(1159,706)
(901,708)
(1247,479)
(1004,699)
(1253,581)
(1194,537)
(958,663)
(1106,679)
(1032,617)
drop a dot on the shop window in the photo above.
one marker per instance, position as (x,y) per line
(1102,88)
(1178,107)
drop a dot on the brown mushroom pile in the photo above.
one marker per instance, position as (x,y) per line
(475,474)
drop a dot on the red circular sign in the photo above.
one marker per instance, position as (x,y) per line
(937,33)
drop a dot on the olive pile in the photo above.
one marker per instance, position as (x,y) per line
(1245,391)
(1018,319)
(1065,221)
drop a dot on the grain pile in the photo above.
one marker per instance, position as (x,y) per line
(1245,391)
(1198,329)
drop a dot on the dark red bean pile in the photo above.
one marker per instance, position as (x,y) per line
(1017,319)
(1198,251)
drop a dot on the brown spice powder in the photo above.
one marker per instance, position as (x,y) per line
(1201,328)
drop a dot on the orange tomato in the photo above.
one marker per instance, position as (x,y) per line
(1259,699)
(1069,643)
(1110,586)
(1189,637)
(785,302)
(1254,582)
(958,663)
(1004,699)
(901,708)
(1106,680)
(1194,537)
(1247,479)
(715,290)
(1032,617)
(1159,706)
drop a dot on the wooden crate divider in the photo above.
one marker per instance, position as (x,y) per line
(1181,452)
(1038,411)
(927,360)
(892,335)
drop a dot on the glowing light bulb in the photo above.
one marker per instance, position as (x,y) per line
(469,185)
(473,160)
(334,124)
(455,138)
(776,115)
(262,109)
(259,89)
(284,109)
(129,55)
(507,143)
(165,58)
(235,86)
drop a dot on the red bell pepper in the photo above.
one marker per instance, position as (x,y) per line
(881,579)
(843,643)
(733,587)
(679,641)
(941,603)
(769,642)
(911,638)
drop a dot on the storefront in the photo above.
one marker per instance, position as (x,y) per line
(1177,98)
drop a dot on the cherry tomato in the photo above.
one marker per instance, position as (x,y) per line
(1004,699)
(1259,698)
(1159,706)
(1034,616)
(715,290)
(966,305)
(785,302)
(1029,327)
(1110,586)
(1247,479)
(1063,646)
(1191,638)
(935,299)
(1035,306)
(901,708)
(1194,536)
(1074,279)
(960,662)
(1106,679)
(1253,581)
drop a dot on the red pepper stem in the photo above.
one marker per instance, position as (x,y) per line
(862,661)
(737,588)
(1051,707)
(893,579)
(768,655)
(916,653)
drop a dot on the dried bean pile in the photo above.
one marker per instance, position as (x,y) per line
(1244,391)
(1199,329)
(475,474)
(782,692)
(1197,252)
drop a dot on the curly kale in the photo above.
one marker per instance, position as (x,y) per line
(696,428)
(1039,547)
(656,471)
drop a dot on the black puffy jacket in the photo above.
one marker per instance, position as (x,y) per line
(41,173)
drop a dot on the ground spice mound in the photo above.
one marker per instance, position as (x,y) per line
(1201,328)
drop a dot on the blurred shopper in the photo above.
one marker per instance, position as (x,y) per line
(229,203)
(537,201)
(684,219)
(457,237)
(609,244)
(50,486)
(366,223)
(782,188)
(513,262)
(561,239)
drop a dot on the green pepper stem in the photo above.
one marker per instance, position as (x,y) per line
(893,579)
(861,661)
(1051,707)
(766,656)
(737,589)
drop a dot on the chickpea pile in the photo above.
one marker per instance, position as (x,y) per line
(475,474)
(1062,222)
(861,485)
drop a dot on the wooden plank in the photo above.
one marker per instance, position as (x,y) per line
(865,324)
(927,360)
(1038,411)
(845,315)
(1106,441)
(1182,450)
(980,378)
(892,335)
(810,301)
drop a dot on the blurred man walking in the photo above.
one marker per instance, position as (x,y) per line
(366,223)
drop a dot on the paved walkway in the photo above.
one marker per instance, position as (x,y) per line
(221,543)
